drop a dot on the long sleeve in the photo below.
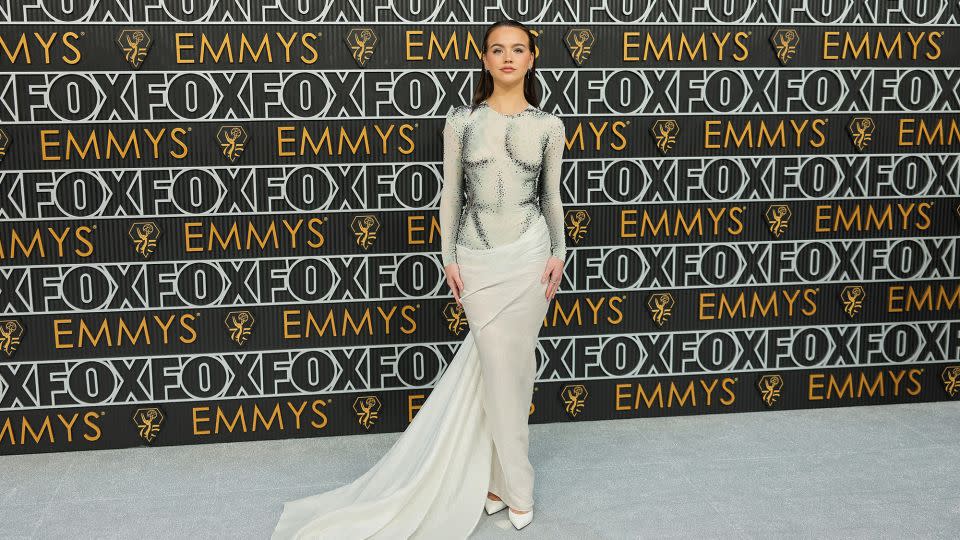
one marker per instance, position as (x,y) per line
(451,195)
(550,202)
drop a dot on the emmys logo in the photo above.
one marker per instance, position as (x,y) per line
(661,307)
(11,332)
(852,298)
(785,44)
(769,387)
(4,144)
(367,409)
(232,139)
(361,42)
(455,317)
(144,235)
(365,228)
(580,42)
(239,324)
(778,217)
(577,221)
(574,397)
(861,131)
(951,380)
(135,44)
(148,422)
(665,132)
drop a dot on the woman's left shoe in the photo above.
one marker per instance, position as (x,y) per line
(492,506)
(521,520)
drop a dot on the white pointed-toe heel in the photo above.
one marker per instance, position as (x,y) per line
(521,520)
(492,506)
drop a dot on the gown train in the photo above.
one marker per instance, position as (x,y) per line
(470,435)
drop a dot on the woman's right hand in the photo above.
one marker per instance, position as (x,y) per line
(453,280)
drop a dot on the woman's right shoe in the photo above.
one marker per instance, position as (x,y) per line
(492,506)
(521,520)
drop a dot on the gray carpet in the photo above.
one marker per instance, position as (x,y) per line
(888,471)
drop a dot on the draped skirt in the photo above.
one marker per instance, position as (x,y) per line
(470,435)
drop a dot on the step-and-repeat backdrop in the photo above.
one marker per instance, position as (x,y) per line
(219,217)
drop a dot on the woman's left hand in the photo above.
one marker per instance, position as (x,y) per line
(552,273)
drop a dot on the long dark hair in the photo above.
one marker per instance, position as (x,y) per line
(484,87)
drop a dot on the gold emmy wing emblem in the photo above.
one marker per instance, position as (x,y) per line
(232,139)
(239,324)
(769,387)
(951,380)
(4,144)
(861,131)
(661,307)
(580,43)
(778,217)
(852,297)
(574,397)
(785,42)
(144,235)
(577,221)
(958,210)
(361,41)
(456,317)
(148,421)
(365,228)
(665,132)
(367,409)
(11,333)
(135,44)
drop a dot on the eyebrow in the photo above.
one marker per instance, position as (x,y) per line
(501,44)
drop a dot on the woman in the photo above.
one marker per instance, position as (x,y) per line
(503,249)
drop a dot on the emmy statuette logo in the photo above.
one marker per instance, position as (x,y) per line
(770,387)
(135,43)
(665,133)
(456,318)
(576,222)
(362,42)
(580,42)
(861,132)
(661,307)
(852,297)
(11,334)
(365,229)
(367,409)
(951,380)
(574,398)
(239,325)
(233,140)
(4,144)
(778,217)
(785,42)
(144,235)
(148,421)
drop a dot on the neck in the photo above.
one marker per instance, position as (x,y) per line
(508,100)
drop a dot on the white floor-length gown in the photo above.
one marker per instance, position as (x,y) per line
(501,202)
(432,483)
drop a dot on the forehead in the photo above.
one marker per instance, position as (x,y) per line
(508,36)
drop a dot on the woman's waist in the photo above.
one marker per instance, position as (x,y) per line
(533,236)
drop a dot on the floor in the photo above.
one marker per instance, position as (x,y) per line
(890,471)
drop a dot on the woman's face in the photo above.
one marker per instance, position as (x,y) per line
(508,56)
